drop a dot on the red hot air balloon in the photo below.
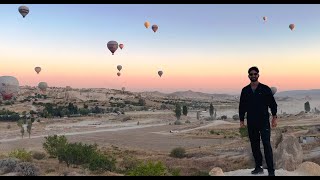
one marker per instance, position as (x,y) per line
(155,28)
(291,26)
(121,46)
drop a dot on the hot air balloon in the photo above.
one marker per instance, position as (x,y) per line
(23,10)
(155,28)
(121,46)
(160,73)
(274,90)
(118,73)
(37,69)
(112,46)
(147,24)
(119,67)
(291,26)
(123,88)
(9,87)
(265,18)
(43,86)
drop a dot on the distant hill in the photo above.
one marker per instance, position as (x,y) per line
(188,95)
(313,93)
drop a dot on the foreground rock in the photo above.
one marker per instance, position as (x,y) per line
(216,172)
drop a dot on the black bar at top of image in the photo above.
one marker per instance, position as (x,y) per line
(156,2)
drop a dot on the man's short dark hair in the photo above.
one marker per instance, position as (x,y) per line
(254,68)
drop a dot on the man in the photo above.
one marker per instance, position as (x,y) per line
(254,100)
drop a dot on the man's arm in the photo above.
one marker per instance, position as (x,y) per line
(242,108)
(272,103)
(273,106)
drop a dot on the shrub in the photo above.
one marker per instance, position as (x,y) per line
(38,155)
(76,153)
(243,131)
(8,126)
(175,172)
(224,117)
(99,162)
(200,173)
(149,169)
(178,152)
(27,169)
(235,117)
(8,165)
(126,118)
(21,154)
(177,122)
(187,122)
(53,143)
(128,164)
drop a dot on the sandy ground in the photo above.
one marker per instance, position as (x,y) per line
(278,172)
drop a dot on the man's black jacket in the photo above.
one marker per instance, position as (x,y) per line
(256,104)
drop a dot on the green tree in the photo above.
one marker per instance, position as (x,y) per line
(307,106)
(185,110)
(20,124)
(29,127)
(178,111)
(213,112)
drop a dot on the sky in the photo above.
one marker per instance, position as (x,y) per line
(199,47)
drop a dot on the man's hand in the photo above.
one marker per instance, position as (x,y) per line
(274,121)
(242,124)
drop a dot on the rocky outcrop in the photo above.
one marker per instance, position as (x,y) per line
(309,168)
(287,153)
(217,171)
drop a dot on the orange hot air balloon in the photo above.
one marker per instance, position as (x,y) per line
(291,26)
(121,46)
(37,69)
(147,24)
(160,73)
(118,73)
(155,28)
(112,46)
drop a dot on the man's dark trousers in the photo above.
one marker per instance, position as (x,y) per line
(254,135)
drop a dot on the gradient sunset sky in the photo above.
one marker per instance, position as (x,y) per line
(206,48)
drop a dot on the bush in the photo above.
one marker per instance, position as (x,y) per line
(76,153)
(178,152)
(27,169)
(21,154)
(38,155)
(224,117)
(99,162)
(177,122)
(8,165)
(8,126)
(235,117)
(126,118)
(128,164)
(243,131)
(200,173)
(187,122)
(53,143)
(149,169)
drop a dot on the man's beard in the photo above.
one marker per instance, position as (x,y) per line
(254,79)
